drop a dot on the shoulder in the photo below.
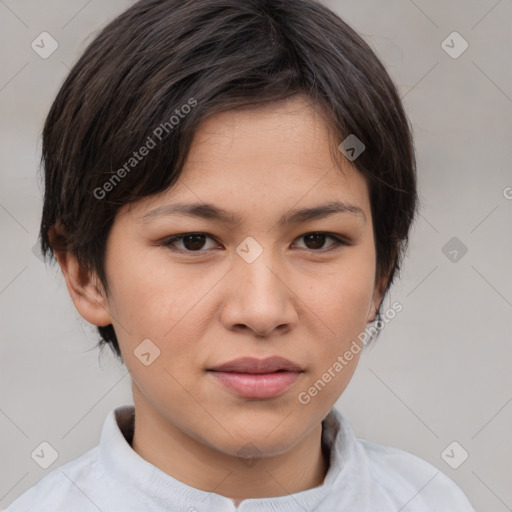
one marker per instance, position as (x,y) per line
(412,480)
(64,487)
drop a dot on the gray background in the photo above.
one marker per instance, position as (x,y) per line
(440,371)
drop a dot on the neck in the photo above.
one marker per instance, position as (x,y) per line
(203,467)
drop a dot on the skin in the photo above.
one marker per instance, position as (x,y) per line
(296,300)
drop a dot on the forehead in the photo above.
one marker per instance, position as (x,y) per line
(281,153)
(291,132)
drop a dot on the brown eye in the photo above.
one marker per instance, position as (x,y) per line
(315,241)
(195,242)
(191,242)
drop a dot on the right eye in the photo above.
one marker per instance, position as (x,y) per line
(191,242)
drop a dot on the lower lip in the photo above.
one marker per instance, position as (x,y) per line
(257,385)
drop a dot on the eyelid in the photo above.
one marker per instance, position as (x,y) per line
(177,238)
(339,242)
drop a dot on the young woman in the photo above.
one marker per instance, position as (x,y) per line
(229,190)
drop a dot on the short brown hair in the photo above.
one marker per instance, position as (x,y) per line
(160,55)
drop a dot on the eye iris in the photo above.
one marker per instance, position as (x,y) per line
(197,242)
(317,238)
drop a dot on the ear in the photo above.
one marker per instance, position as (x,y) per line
(378,295)
(84,288)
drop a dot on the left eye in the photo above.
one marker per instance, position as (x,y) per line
(317,240)
(194,242)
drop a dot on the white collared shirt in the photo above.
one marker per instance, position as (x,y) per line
(362,477)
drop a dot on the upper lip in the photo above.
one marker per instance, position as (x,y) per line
(253,365)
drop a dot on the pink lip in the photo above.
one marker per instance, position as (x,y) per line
(253,365)
(257,385)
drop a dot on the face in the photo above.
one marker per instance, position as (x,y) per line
(273,283)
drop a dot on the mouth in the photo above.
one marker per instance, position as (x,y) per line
(257,385)
(257,378)
(255,366)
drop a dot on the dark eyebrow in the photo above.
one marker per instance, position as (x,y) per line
(211,212)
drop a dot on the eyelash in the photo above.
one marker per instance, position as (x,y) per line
(338,242)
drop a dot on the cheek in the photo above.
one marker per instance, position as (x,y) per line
(165,305)
(148,297)
(341,303)
(342,297)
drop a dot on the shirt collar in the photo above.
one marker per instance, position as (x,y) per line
(140,477)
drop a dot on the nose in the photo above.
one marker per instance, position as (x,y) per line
(259,297)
